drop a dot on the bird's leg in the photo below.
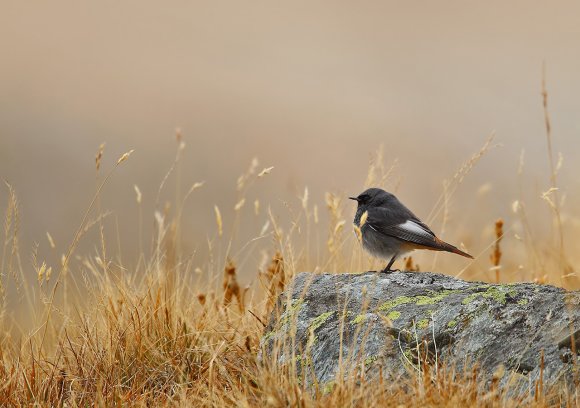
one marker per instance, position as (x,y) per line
(391,262)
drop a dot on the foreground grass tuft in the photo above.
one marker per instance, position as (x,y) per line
(170,333)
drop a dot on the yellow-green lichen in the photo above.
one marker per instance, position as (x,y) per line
(409,356)
(523,302)
(401,300)
(315,324)
(291,311)
(296,304)
(269,335)
(298,360)
(423,323)
(430,300)
(452,324)
(493,292)
(393,315)
(303,361)
(470,298)
(369,360)
(319,320)
(328,387)
(419,300)
(359,319)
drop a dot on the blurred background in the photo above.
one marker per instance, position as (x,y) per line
(311,88)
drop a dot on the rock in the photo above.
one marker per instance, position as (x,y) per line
(393,323)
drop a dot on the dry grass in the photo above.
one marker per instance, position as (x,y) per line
(496,254)
(172,334)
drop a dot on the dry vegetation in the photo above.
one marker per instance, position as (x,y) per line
(173,333)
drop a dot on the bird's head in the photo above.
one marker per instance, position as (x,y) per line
(373,197)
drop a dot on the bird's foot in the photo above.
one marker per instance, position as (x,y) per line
(387,270)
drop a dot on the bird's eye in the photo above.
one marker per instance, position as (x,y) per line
(364,198)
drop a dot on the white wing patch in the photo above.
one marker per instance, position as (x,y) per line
(415,228)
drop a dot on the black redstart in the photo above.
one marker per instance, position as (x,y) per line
(389,229)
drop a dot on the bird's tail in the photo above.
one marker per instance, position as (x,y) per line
(444,246)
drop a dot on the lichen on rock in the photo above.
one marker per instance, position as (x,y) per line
(330,318)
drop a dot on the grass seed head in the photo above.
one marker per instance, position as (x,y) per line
(239,204)
(358,233)
(218,220)
(196,185)
(410,265)
(363,219)
(125,156)
(265,171)
(243,179)
(339,227)
(560,162)
(304,198)
(40,272)
(358,228)
(50,240)
(315,213)
(99,156)
(276,278)
(496,254)
(137,193)
(265,228)
(231,286)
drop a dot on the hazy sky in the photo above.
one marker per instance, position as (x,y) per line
(312,88)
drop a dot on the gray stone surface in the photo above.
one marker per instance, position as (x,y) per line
(374,322)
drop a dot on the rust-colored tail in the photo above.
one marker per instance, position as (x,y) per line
(444,246)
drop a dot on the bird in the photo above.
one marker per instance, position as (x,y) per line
(390,230)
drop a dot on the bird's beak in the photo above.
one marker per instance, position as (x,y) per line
(354,198)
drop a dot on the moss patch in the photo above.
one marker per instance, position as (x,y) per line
(452,324)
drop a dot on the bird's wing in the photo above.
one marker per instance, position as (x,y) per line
(411,230)
(402,224)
